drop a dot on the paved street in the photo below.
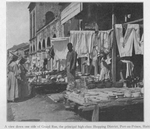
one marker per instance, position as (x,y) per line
(40,108)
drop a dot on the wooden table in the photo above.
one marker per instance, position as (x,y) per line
(102,105)
(106,104)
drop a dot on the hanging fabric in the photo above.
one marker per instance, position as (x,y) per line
(82,42)
(129,67)
(125,44)
(104,41)
(60,47)
(138,43)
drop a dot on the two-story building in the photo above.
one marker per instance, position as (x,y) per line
(44,25)
(51,20)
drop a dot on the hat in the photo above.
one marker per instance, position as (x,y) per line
(14,55)
(12,58)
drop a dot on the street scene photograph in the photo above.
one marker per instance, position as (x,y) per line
(75,62)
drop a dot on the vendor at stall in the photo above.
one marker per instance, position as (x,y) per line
(105,67)
(71,65)
(94,56)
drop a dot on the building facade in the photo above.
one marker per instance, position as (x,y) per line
(44,25)
(50,20)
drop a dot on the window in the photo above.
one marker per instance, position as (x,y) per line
(54,36)
(49,16)
(33,48)
(43,45)
(48,42)
(30,26)
(39,45)
(33,23)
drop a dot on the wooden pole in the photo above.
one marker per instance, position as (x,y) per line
(113,68)
(131,22)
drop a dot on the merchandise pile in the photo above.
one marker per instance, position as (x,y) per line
(47,77)
(93,96)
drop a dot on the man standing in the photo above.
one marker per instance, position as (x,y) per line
(71,66)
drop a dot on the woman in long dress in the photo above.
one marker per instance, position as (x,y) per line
(13,78)
(25,89)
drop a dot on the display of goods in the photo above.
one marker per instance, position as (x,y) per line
(78,83)
(100,85)
(61,80)
(76,98)
(108,84)
(142,90)
(91,86)
(127,94)
(112,97)
(136,94)
(117,84)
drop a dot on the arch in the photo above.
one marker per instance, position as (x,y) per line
(49,16)
(54,36)
(43,44)
(33,48)
(39,46)
(48,42)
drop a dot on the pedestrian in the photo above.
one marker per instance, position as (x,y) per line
(13,78)
(25,87)
(71,66)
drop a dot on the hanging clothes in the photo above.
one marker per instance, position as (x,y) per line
(82,42)
(60,50)
(62,64)
(103,40)
(138,43)
(142,44)
(125,44)
(129,67)
(60,47)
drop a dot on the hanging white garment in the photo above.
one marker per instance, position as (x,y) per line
(101,41)
(138,43)
(110,39)
(142,44)
(129,67)
(125,44)
(105,39)
(82,42)
(60,47)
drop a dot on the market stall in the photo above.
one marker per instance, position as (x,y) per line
(98,99)
(94,92)
(55,77)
